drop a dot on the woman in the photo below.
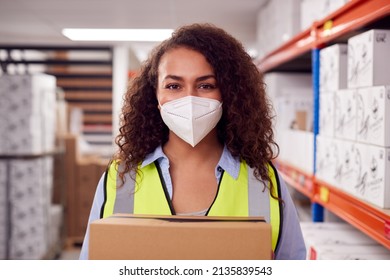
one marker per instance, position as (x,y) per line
(196,139)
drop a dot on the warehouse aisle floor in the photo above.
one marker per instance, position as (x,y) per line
(70,254)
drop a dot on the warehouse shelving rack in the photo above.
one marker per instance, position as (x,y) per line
(85,81)
(301,53)
(54,250)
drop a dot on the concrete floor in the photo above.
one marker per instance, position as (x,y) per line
(70,254)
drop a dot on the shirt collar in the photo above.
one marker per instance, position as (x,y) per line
(157,154)
(227,162)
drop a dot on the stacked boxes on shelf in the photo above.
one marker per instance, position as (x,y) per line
(27,131)
(333,77)
(3,211)
(25,186)
(314,10)
(333,80)
(297,15)
(55,226)
(83,174)
(30,200)
(273,32)
(292,98)
(27,114)
(368,59)
(354,155)
(340,241)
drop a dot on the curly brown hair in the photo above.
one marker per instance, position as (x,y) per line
(246,123)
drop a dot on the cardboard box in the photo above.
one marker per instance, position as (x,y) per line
(272,32)
(294,112)
(125,236)
(302,153)
(327,114)
(327,159)
(71,157)
(88,173)
(372,175)
(373,115)
(25,193)
(348,165)
(3,209)
(314,10)
(368,59)
(27,114)
(348,252)
(287,84)
(345,114)
(333,67)
(337,238)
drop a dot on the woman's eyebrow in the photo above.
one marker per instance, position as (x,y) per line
(173,77)
(203,78)
(179,78)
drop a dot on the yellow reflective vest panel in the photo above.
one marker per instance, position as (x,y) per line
(244,196)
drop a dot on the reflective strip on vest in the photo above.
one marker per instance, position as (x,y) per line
(147,195)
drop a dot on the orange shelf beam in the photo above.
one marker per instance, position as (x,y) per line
(297,46)
(355,15)
(300,180)
(352,16)
(373,221)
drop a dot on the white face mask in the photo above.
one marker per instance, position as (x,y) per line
(191,117)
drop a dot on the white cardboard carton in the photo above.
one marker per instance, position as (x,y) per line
(373,115)
(296,148)
(25,189)
(362,170)
(372,181)
(327,114)
(313,10)
(3,210)
(273,32)
(327,159)
(345,114)
(282,84)
(368,59)
(348,252)
(27,114)
(332,234)
(348,165)
(333,67)
(289,108)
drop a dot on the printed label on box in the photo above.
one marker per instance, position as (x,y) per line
(345,114)
(368,56)
(373,115)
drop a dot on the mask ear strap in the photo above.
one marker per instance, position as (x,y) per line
(159,106)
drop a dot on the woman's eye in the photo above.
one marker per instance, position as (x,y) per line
(172,86)
(207,86)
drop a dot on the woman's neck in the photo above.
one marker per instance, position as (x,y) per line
(209,149)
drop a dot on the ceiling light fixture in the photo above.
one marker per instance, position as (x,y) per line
(135,35)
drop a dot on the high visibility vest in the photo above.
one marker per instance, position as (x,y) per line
(244,196)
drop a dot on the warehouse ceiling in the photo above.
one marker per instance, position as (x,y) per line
(41,21)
